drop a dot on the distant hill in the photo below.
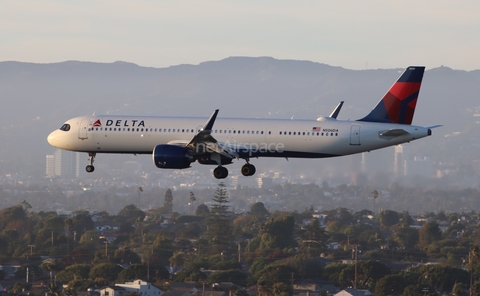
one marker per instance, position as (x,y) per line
(37,98)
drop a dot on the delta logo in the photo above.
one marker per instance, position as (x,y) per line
(97,123)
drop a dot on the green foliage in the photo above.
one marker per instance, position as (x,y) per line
(233,275)
(129,214)
(219,222)
(125,256)
(168,201)
(10,215)
(278,233)
(109,271)
(388,218)
(390,285)
(406,237)
(77,271)
(276,280)
(428,234)
(202,210)
(368,273)
(134,271)
(259,211)
(439,277)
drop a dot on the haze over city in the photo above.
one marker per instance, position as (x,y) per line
(251,59)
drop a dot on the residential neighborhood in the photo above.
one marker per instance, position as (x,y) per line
(216,251)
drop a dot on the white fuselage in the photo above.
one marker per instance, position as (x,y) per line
(325,137)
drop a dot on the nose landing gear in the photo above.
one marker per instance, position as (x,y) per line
(90,168)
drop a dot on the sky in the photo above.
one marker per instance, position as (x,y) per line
(367,34)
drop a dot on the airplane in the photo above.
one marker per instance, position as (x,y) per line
(177,142)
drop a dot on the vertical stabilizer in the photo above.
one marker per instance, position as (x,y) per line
(398,104)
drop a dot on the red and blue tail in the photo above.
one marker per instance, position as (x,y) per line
(398,104)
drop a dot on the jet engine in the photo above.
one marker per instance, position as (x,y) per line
(171,157)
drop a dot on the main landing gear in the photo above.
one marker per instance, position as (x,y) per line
(221,172)
(248,169)
(90,168)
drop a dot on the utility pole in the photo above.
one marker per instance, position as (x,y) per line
(355,257)
(239,252)
(31,249)
(106,249)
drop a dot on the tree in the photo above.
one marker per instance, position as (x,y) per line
(390,285)
(429,233)
(109,271)
(68,226)
(129,214)
(219,222)
(202,210)
(459,290)
(314,239)
(192,200)
(168,201)
(278,233)
(134,271)
(259,211)
(276,280)
(388,218)
(368,273)
(77,271)
(406,237)
(375,196)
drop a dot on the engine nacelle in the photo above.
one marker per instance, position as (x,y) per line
(171,157)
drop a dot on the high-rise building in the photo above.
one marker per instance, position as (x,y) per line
(63,164)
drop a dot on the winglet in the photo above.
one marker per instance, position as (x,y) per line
(398,104)
(209,125)
(336,110)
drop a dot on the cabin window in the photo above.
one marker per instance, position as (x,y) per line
(269,132)
(280,133)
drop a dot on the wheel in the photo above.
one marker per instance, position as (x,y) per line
(90,168)
(220,172)
(248,169)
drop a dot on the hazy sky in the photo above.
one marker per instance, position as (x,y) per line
(348,33)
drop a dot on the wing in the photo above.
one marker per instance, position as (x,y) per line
(203,142)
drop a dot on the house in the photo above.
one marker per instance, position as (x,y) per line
(112,291)
(141,287)
(10,268)
(353,292)
(333,245)
(314,286)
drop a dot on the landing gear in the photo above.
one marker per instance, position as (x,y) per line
(220,172)
(90,168)
(248,169)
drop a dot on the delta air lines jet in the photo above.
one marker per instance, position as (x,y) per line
(177,142)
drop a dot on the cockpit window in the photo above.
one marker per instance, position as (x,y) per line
(65,127)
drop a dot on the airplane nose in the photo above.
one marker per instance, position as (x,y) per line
(53,138)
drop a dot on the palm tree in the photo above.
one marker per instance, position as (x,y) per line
(192,200)
(53,289)
(375,196)
(69,226)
